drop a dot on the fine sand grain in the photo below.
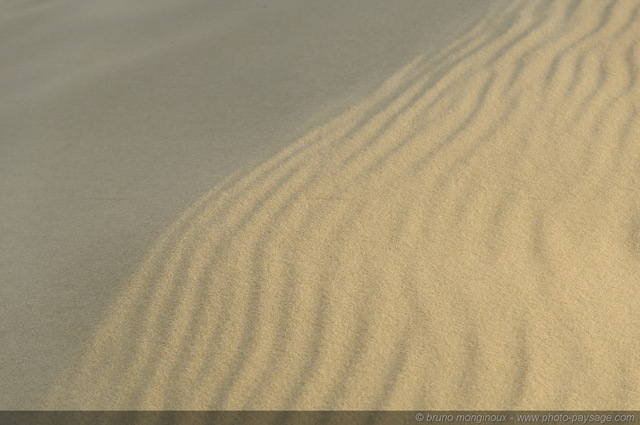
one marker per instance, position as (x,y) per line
(466,236)
(117,115)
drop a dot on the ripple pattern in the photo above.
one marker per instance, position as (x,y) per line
(465,238)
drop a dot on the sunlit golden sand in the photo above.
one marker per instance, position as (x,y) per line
(466,237)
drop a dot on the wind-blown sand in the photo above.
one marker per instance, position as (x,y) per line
(465,236)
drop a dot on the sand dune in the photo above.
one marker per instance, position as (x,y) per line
(116,116)
(466,237)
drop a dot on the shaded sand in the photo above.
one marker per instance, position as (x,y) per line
(467,237)
(117,115)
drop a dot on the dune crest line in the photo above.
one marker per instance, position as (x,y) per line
(465,238)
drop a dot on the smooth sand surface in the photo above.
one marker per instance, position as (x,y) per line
(421,205)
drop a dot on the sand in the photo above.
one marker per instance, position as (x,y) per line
(391,206)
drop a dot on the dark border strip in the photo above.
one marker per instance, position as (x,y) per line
(314,417)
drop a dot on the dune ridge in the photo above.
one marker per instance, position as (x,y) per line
(466,238)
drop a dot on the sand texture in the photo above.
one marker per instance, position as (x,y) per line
(463,235)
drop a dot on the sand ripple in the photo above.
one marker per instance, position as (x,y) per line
(466,238)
